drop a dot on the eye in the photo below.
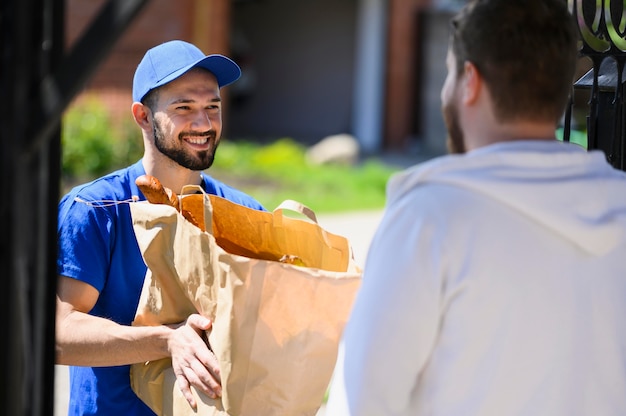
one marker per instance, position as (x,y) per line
(183,107)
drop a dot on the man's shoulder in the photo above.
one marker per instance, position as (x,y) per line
(115,186)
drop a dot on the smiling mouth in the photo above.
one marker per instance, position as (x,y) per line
(197,140)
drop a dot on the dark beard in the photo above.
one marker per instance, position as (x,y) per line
(192,161)
(455,141)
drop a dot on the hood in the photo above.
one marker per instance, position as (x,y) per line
(574,193)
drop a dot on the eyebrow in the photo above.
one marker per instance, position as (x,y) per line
(189,100)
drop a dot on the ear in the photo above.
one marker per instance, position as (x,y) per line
(472,83)
(142,115)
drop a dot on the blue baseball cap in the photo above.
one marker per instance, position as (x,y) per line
(168,61)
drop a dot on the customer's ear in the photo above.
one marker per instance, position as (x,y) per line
(472,83)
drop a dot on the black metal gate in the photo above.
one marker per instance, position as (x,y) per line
(37,81)
(602,25)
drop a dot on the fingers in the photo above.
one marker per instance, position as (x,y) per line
(205,356)
(196,375)
(185,389)
(204,375)
(204,372)
(210,362)
(193,362)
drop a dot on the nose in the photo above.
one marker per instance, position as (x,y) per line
(202,121)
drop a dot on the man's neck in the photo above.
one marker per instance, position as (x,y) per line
(170,173)
(512,131)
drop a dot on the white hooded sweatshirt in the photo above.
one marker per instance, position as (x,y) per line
(495,285)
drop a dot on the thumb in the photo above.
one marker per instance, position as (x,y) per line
(200,322)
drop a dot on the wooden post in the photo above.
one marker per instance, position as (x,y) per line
(401,71)
(211,33)
(211,25)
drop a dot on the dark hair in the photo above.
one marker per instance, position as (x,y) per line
(150,99)
(525,50)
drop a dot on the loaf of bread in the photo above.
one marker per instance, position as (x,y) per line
(155,192)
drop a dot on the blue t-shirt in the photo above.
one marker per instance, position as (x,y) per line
(97,245)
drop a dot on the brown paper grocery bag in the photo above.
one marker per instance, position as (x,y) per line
(276,326)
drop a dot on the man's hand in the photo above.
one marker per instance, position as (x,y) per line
(193,362)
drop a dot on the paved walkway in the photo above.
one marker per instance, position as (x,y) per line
(358,227)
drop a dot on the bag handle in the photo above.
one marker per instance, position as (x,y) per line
(192,189)
(208,207)
(291,205)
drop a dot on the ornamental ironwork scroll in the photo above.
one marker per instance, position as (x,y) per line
(602,27)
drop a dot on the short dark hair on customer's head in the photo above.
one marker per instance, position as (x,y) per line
(525,50)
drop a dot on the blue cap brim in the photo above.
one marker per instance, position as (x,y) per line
(225,70)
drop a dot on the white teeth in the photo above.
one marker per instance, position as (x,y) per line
(197,140)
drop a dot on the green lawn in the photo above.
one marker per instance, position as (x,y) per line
(278,171)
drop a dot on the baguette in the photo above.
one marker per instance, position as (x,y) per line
(155,192)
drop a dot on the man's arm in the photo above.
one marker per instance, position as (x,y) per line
(86,340)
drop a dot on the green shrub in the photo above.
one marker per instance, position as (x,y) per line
(93,145)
